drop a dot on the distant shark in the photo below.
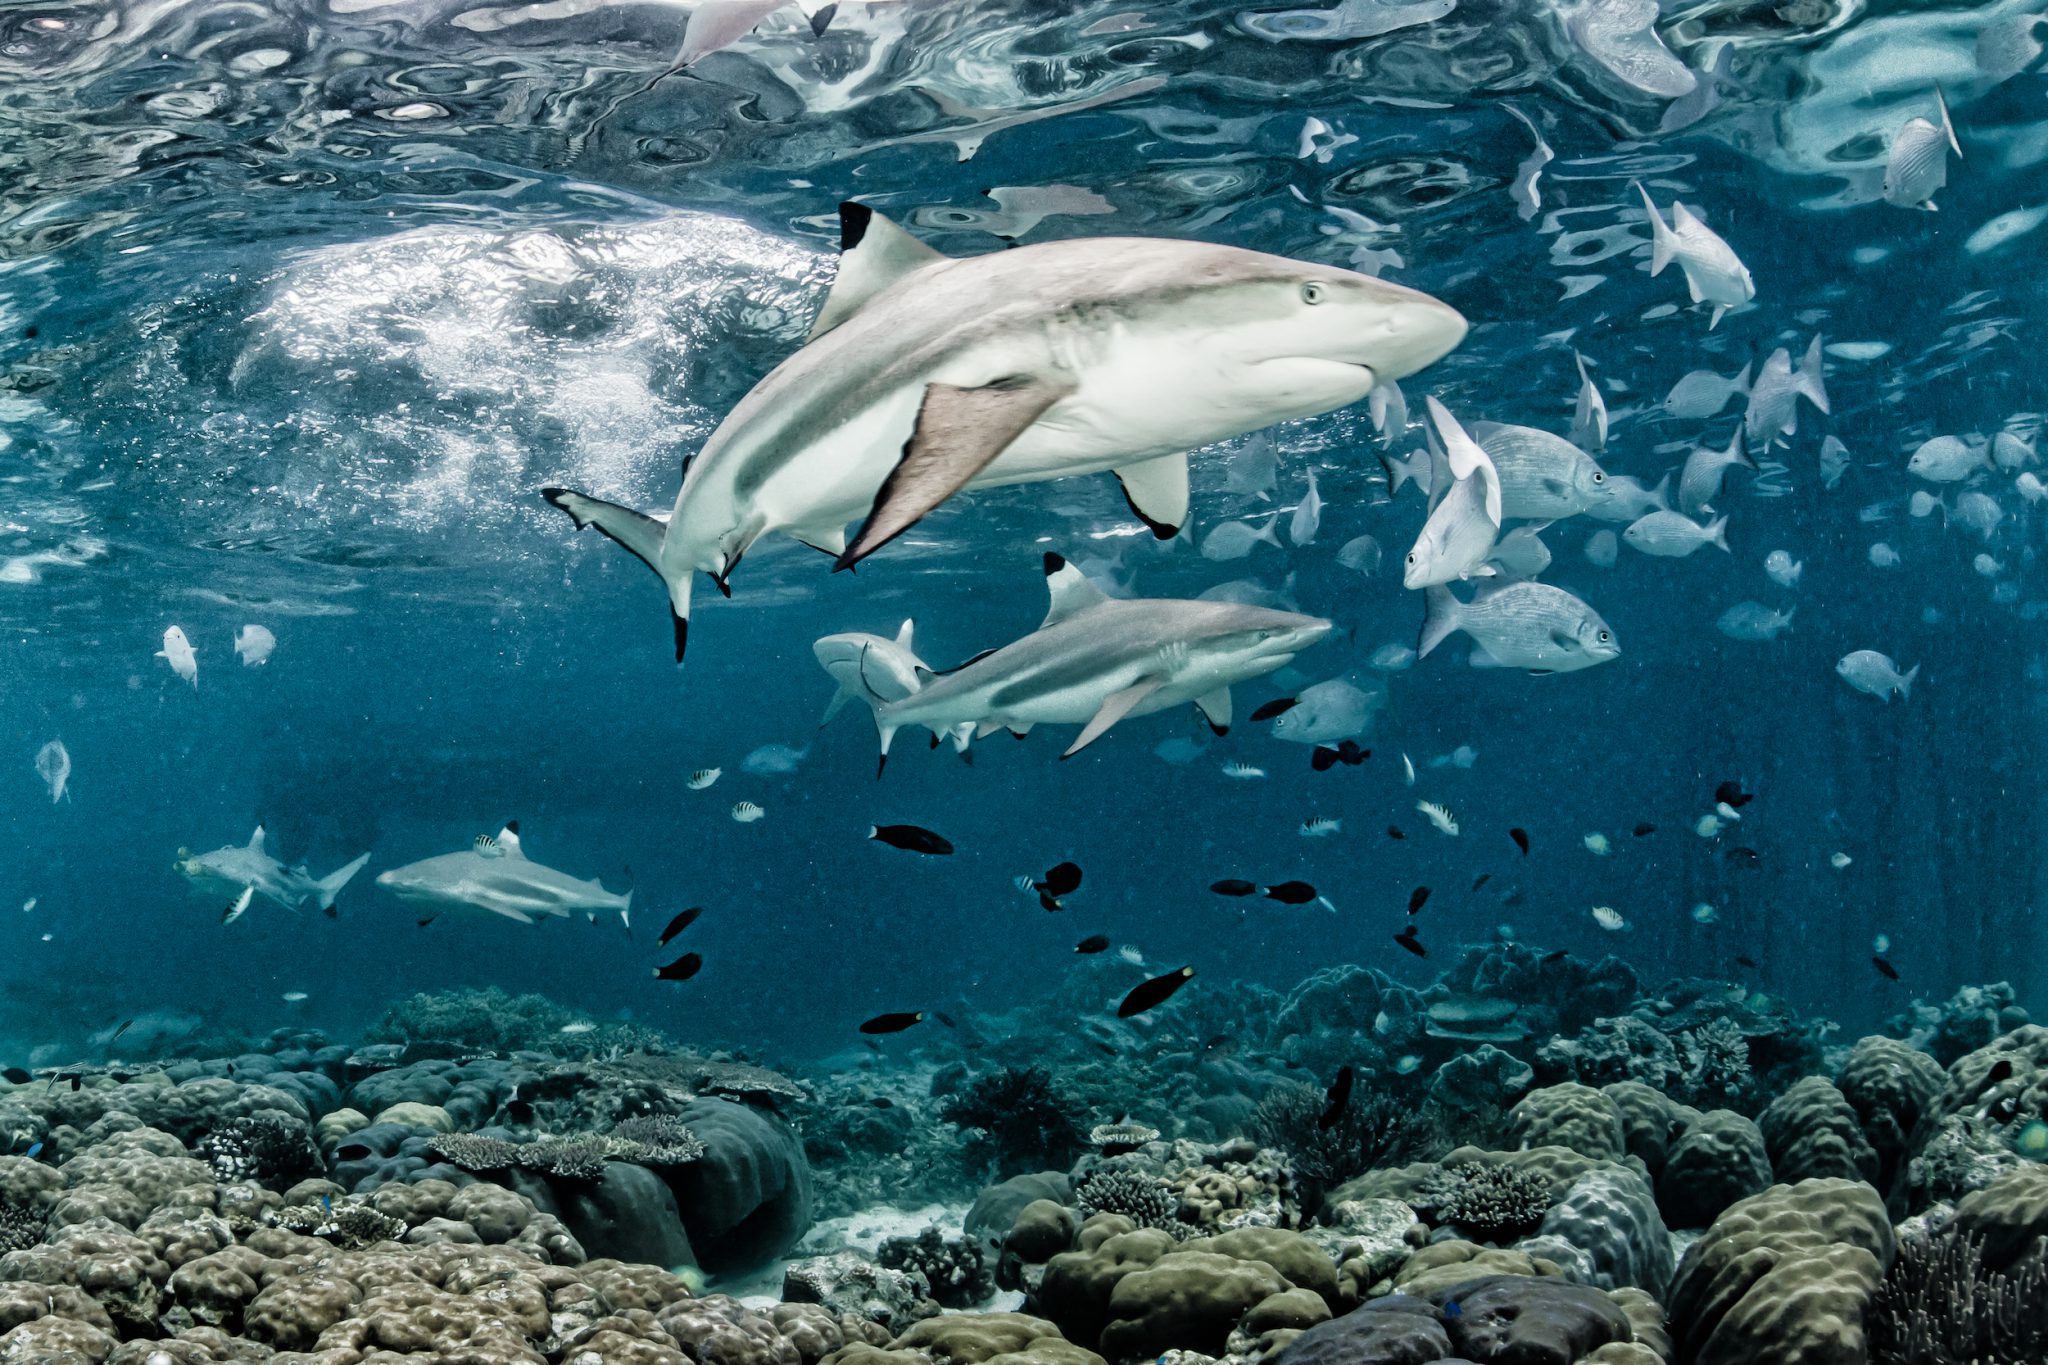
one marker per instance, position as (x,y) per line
(925,374)
(494,874)
(870,665)
(1097,660)
(233,869)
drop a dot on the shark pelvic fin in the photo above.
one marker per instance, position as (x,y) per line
(1071,591)
(1115,707)
(1157,491)
(959,433)
(874,254)
(1215,708)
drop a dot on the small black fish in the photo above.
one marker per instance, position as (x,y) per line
(1645,830)
(1416,898)
(519,1111)
(882,1102)
(1157,991)
(2001,1070)
(1291,893)
(1408,938)
(1481,880)
(1552,958)
(15,1075)
(1323,758)
(678,924)
(1094,943)
(76,1082)
(1279,707)
(1733,794)
(1743,856)
(1885,969)
(682,969)
(892,1023)
(1745,960)
(1394,832)
(944,1018)
(1233,886)
(423,923)
(1521,838)
(1338,1095)
(1063,880)
(911,839)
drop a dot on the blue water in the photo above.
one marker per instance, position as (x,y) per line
(299,311)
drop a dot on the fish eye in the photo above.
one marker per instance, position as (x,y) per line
(1411,556)
(1315,291)
(1604,637)
(1599,476)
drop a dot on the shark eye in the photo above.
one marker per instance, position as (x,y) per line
(1315,291)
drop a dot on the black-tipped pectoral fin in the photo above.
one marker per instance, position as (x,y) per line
(959,433)
(1215,708)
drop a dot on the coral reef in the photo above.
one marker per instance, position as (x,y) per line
(1017,1118)
(1495,1203)
(1940,1305)
(1372,1131)
(955,1268)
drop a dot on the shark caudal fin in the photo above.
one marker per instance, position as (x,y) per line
(639,533)
(329,886)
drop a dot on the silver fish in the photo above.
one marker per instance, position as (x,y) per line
(1627,499)
(1459,534)
(1753,621)
(1702,394)
(1773,409)
(1308,515)
(1713,272)
(1531,626)
(1542,477)
(1361,554)
(1834,461)
(1947,459)
(1673,535)
(1700,481)
(1917,163)
(1589,416)
(1235,539)
(1330,711)
(1866,670)
(1521,553)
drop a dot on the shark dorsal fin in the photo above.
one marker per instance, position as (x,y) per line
(256,844)
(508,840)
(873,254)
(903,638)
(1071,591)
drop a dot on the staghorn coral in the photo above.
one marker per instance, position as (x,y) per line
(660,1140)
(1373,1131)
(1024,1123)
(1940,1305)
(260,1149)
(1495,1203)
(650,1140)
(580,1157)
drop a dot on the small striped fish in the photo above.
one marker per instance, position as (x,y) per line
(1320,826)
(703,778)
(746,812)
(1440,816)
(487,846)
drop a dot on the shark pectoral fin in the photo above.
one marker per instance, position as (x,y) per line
(1215,708)
(1157,491)
(1114,708)
(874,253)
(959,433)
(839,699)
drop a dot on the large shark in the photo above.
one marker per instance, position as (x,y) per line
(867,665)
(925,374)
(1098,659)
(233,869)
(495,874)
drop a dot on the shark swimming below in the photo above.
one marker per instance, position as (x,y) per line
(870,665)
(231,870)
(494,874)
(1097,660)
(925,374)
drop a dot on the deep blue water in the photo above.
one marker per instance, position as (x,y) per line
(299,314)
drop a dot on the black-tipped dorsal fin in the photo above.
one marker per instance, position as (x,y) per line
(508,840)
(873,254)
(1071,591)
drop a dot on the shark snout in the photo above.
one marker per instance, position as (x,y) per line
(1414,332)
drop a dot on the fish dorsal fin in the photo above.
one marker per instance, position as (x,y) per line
(256,844)
(508,840)
(1683,219)
(873,254)
(903,638)
(1466,458)
(1071,591)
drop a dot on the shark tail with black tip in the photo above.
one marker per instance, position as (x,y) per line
(640,534)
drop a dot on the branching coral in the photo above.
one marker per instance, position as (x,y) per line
(957,1270)
(486,1020)
(1717,1069)
(1938,1305)
(1025,1123)
(655,1140)
(1496,1203)
(1372,1132)
(475,1151)
(662,1140)
(21,1226)
(1144,1199)
(350,1226)
(260,1149)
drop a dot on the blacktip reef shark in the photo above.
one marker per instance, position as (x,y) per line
(870,665)
(495,874)
(925,374)
(233,870)
(1098,659)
